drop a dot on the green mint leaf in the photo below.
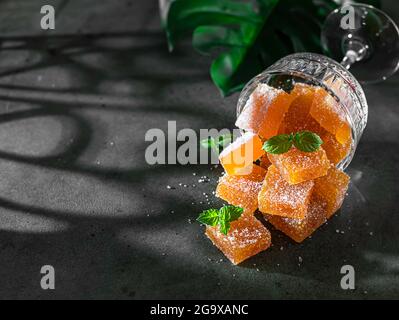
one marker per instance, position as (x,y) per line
(278,144)
(307,141)
(221,217)
(224,226)
(233,211)
(208,143)
(224,139)
(209,217)
(224,214)
(217,144)
(228,214)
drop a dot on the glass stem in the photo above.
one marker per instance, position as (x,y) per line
(354,54)
(349,59)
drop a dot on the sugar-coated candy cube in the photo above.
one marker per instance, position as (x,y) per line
(297,166)
(300,106)
(278,197)
(335,151)
(264,111)
(327,111)
(297,118)
(242,190)
(238,157)
(332,189)
(300,229)
(246,238)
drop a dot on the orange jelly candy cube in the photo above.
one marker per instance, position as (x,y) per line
(242,190)
(238,157)
(278,197)
(332,189)
(326,110)
(264,161)
(300,229)
(297,118)
(297,166)
(264,111)
(335,151)
(246,238)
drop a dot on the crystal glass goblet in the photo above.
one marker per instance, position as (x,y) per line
(370,50)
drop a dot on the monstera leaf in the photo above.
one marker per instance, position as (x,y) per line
(246,36)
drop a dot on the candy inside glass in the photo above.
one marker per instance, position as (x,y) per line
(351,47)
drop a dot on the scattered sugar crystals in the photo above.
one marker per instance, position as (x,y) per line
(204,179)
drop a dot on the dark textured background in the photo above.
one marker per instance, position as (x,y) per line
(76,193)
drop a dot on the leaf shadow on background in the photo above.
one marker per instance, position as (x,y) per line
(65,50)
(90,251)
(101,235)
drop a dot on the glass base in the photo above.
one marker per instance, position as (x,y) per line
(369,35)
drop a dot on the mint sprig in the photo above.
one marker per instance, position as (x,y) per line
(221,217)
(217,144)
(305,141)
(279,144)
(209,217)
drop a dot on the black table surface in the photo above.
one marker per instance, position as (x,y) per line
(77,194)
